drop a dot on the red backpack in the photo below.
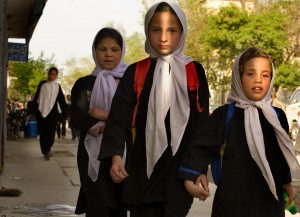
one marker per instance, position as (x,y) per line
(141,71)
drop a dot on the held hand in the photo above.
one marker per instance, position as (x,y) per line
(94,131)
(289,190)
(202,179)
(195,190)
(97,128)
(101,128)
(98,113)
(117,170)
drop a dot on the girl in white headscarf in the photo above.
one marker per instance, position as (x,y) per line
(258,153)
(166,115)
(91,101)
(48,102)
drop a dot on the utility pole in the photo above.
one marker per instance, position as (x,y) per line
(3,79)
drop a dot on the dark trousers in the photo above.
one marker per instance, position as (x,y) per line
(75,132)
(47,127)
(159,209)
(61,126)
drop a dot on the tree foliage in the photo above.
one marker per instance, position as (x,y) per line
(25,76)
(74,69)
(135,48)
(216,38)
(291,10)
(288,75)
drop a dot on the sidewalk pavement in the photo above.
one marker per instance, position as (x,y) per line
(50,188)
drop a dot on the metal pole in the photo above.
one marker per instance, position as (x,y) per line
(3,79)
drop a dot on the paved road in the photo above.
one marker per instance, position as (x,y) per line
(50,188)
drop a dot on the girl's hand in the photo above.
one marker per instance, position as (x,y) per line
(98,113)
(289,190)
(97,128)
(195,190)
(117,170)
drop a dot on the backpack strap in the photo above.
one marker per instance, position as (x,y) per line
(277,111)
(140,74)
(228,118)
(193,81)
(141,71)
(216,164)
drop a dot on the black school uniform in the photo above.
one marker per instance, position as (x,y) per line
(47,125)
(242,190)
(97,198)
(163,185)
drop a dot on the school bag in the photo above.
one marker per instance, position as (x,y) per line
(216,164)
(141,71)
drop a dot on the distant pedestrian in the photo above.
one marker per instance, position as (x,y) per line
(49,96)
(61,124)
(31,106)
(91,100)
(258,152)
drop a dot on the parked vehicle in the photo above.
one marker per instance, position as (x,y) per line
(16,119)
(293,114)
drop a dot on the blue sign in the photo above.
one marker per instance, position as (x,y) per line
(17,52)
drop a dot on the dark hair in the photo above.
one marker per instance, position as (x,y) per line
(165,7)
(249,54)
(54,69)
(108,33)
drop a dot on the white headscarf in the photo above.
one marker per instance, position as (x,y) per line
(103,91)
(169,91)
(253,129)
(47,97)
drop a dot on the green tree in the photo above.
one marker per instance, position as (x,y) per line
(217,38)
(233,30)
(288,75)
(27,75)
(221,45)
(269,33)
(135,48)
(74,69)
(194,41)
(288,72)
(291,10)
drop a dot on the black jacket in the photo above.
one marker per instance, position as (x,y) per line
(163,184)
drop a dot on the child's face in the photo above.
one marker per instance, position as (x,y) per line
(256,78)
(108,53)
(164,32)
(52,75)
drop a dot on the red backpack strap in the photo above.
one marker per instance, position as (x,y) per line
(139,80)
(193,81)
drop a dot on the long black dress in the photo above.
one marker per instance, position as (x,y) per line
(47,125)
(94,197)
(242,191)
(163,185)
